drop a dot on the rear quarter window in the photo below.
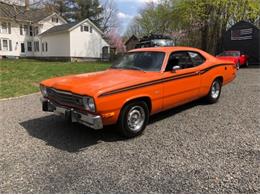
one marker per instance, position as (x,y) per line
(196,58)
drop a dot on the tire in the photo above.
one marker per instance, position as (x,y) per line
(238,65)
(133,119)
(214,92)
(246,64)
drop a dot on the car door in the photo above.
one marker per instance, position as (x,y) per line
(183,84)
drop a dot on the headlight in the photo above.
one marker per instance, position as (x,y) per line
(44,91)
(89,104)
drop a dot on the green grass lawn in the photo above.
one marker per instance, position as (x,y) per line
(21,77)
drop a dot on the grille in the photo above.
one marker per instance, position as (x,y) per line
(65,98)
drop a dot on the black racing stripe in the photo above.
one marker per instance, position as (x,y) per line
(148,84)
(158,81)
(211,67)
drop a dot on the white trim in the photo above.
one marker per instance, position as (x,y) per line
(82,22)
(74,27)
(54,14)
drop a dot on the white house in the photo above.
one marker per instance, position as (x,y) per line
(37,33)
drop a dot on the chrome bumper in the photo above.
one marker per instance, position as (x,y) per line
(89,120)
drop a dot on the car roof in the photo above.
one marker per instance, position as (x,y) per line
(166,49)
(173,49)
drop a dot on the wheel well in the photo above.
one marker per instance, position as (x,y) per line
(147,100)
(219,78)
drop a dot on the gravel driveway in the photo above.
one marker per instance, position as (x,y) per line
(195,148)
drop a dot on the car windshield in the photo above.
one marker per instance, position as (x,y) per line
(143,61)
(230,53)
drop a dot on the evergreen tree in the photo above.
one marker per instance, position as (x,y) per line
(90,9)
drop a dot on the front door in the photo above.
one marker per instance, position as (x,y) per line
(182,84)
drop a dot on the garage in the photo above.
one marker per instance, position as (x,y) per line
(245,37)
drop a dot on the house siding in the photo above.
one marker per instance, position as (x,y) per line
(86,44)
(17,39)
(58,45)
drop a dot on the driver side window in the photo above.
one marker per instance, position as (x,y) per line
(181,59)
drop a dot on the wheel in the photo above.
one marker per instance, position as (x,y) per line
(246,64)
(215,91)
(133,119)
(238,65)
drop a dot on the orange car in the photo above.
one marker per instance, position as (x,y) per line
(146,81)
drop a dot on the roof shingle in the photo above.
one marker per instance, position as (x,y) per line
(20,13)
(60,28)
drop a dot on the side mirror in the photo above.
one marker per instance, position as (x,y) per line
(174,68)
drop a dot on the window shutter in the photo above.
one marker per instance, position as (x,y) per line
(21,29)
(10,45)
(0,44)
(9,28)
(81,28)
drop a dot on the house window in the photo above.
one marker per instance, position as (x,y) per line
(90,29)
(29,46)
(5,45)
(36,30)
(36,46)
(21,29)
(4,27)
(86,28)
(31,30)
(55,20)
(26,30)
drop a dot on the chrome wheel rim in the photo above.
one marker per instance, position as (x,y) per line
(135,118)
(215,90)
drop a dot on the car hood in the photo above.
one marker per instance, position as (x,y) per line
(96,83)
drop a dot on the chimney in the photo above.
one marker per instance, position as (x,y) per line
(27,5)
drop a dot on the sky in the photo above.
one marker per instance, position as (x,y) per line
(127,10)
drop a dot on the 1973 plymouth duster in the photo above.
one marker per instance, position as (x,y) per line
(146,81)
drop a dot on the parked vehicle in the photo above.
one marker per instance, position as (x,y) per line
(155,41)
(235,56)
(146,81)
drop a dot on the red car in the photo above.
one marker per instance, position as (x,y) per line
(234,56)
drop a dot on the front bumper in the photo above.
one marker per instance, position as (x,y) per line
(89,120)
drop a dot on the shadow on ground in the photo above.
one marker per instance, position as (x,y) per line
(74,137)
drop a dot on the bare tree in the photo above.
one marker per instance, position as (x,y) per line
(110,20)
(134,28)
